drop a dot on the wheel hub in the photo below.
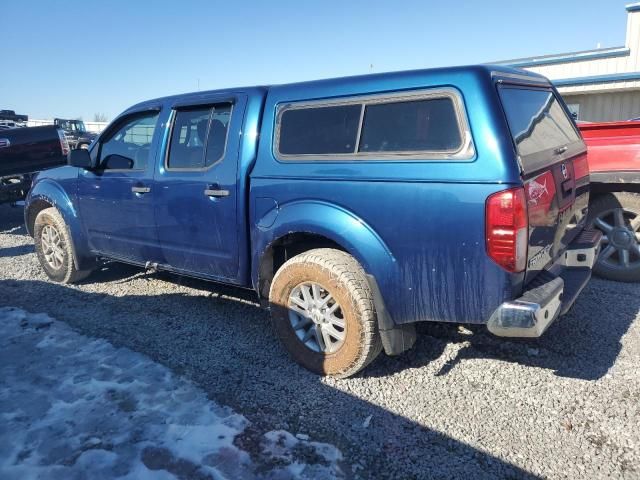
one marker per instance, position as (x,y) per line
(621,237)
(316,318)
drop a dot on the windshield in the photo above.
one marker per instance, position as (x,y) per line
(73,126)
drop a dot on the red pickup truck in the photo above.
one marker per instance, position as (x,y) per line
(614,208)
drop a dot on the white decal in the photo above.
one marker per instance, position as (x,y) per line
(536,190)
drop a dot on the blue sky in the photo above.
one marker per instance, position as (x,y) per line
(77,57)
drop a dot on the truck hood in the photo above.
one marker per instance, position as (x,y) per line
(89,136)
(83,136)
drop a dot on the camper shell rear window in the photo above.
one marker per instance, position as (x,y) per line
(539,125)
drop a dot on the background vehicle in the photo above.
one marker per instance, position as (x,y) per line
(614,165)
(368,204)
(9,119)
(76,132)
(25,151)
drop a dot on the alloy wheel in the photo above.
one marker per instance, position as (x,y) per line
(52,247)
(620,247)
(316,318)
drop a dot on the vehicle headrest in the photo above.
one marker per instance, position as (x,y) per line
(217,127)
(217,136)
(202,130)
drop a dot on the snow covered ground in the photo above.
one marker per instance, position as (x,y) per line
(76,407)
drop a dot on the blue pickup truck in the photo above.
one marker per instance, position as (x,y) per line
(354,207)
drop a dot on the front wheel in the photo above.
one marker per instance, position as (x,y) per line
(617,215)
(322,310)
(54,248)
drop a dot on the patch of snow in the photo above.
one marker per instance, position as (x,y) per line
(76,407)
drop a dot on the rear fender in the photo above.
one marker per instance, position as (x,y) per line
(335,223)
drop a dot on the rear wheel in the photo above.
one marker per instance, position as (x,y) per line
(323,311)
(54,248)
(617,215)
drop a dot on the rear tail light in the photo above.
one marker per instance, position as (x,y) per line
(64,145)
(507,229)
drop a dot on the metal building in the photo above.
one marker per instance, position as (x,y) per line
(599,85)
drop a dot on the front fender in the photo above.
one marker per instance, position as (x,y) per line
(51,192)
(330,221)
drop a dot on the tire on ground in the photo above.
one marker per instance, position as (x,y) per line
(67,272)
(343,277)
(602,203)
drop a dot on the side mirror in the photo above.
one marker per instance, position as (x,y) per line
(80,158)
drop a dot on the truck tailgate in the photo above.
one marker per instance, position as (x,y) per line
(613,146)
(28,150)
(554,169)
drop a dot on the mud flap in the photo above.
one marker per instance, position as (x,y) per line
(395,338)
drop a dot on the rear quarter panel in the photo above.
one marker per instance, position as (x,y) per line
(426,217)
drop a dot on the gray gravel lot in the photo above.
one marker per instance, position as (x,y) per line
(459,404)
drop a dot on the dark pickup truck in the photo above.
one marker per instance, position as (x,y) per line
(10,119)
(25,151)
(76,132)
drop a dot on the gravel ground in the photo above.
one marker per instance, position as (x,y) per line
(79,408)
(461,403)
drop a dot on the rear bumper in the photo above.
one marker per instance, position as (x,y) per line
(552,292)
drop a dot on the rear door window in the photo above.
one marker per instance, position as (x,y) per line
(198,137)
(188,138)
(538,124)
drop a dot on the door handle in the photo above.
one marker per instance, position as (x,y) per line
(140,189)
(216,193)
(560,150)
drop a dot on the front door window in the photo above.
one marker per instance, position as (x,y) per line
(128,147)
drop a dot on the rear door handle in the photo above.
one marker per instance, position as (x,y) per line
(216,192)
(560,150)
(140,189)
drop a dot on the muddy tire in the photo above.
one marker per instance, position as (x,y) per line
(617,215)
(54,248)
(323,312)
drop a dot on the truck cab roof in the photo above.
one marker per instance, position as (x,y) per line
(370,81)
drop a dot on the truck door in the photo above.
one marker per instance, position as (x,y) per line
(116,199)
(196,207)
